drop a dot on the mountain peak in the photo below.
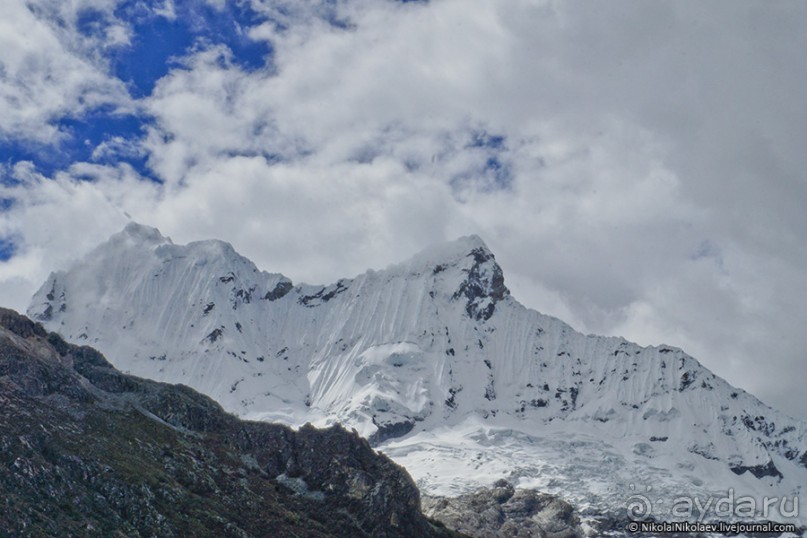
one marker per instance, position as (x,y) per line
(141,233)
(481,280)
(471,242)
(449,253)
(462,246)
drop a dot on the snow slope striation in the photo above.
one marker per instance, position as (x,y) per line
(438,365)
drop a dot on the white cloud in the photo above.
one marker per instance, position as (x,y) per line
(116,147)
(166,10)
(654,151)
(45,73)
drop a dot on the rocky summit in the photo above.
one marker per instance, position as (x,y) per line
(89,451)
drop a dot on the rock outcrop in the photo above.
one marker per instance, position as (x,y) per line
(505,512)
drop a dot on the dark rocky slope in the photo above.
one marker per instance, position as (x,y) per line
(89,451)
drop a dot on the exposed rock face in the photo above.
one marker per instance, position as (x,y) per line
(505,512)
(484,286)
(768,469)
(87,450)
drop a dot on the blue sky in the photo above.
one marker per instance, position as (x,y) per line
(158,42)
(637,169)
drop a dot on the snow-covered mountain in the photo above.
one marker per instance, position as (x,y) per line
(437,364)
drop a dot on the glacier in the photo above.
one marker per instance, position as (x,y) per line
(437,365)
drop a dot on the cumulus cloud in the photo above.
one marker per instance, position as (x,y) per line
(50,70)
(635,168)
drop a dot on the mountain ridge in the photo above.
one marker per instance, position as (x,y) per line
(433,344)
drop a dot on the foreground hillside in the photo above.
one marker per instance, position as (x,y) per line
(88,451)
